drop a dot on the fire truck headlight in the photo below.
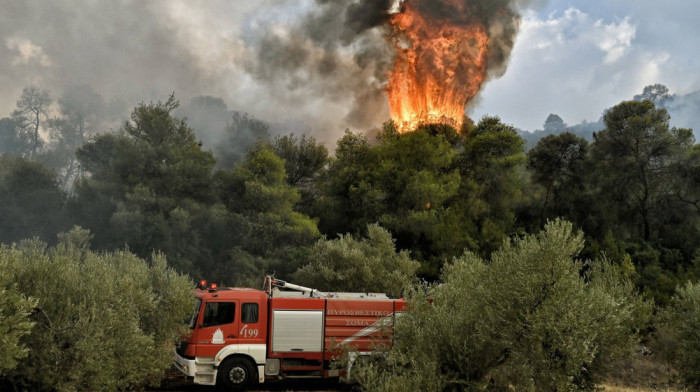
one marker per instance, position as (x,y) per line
(187,369)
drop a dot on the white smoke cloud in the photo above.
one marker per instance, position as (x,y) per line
(26,52)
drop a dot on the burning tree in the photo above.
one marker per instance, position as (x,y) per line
(444,52)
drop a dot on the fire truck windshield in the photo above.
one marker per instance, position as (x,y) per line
(195,313)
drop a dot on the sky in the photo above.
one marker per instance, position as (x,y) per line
(294,64)
(577,58)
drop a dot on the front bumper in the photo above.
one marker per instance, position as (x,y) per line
(186,366)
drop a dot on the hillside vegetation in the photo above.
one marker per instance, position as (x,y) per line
(542,267)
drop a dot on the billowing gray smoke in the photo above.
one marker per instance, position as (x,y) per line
(501,18)
(316,66)
(336,53)
(342,49)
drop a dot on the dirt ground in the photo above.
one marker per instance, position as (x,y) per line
(176,383)
(641,373)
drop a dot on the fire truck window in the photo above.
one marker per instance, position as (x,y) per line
(195,313)
(249,314)
(219,313)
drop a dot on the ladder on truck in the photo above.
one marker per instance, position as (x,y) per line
(274,288)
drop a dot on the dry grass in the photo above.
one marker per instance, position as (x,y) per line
(611,388)
(642,373)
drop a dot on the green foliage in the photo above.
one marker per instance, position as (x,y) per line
(634,156)
(417,181)
(303,157)
(148,186)
(528,320)
(557,164)
(369,264)
(349,202)
(681,324)
(304,160)
(152,187)
(104,321)
(31,202)
(437,191)
(688,180)
(263,226)
(15,322)
(407,183)
(491,168)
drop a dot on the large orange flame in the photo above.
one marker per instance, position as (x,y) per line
(439,67)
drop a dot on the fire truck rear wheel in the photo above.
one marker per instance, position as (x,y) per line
(236,374)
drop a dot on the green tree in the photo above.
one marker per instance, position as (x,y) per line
(557,163)
(369,264)
(407,183)
(148,186)
(31,202)
(491,167)
(436,190)
(418,181)
(263,225)
(104,321)
(15,322)
(528,319)
(348,201)
(304,160)
(689,179)
(29,116)
(681,323)
(634,158)
(303,157)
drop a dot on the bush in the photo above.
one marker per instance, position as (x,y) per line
(365,265)
(528,319)
(103,321)
(15,323)
(680,323)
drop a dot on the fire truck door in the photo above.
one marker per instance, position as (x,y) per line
(219,327)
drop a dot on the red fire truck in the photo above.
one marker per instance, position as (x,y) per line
(242,336)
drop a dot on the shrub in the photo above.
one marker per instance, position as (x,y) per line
(15,323)
(681,324)
(528,319)
(349,264)
(103,321)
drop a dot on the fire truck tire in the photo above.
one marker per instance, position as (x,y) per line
(236,374)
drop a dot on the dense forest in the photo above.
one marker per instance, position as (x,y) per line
(377,213)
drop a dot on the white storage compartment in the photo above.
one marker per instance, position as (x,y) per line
(297,331)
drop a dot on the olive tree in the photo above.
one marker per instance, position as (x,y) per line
(103,321)
(681,324)
(15,322)
(528,318)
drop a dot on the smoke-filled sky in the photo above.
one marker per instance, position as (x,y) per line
(576,58)
(318,66)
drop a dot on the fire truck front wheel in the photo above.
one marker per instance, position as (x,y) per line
(236,374)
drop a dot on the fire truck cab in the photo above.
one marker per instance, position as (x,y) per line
(242,336)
